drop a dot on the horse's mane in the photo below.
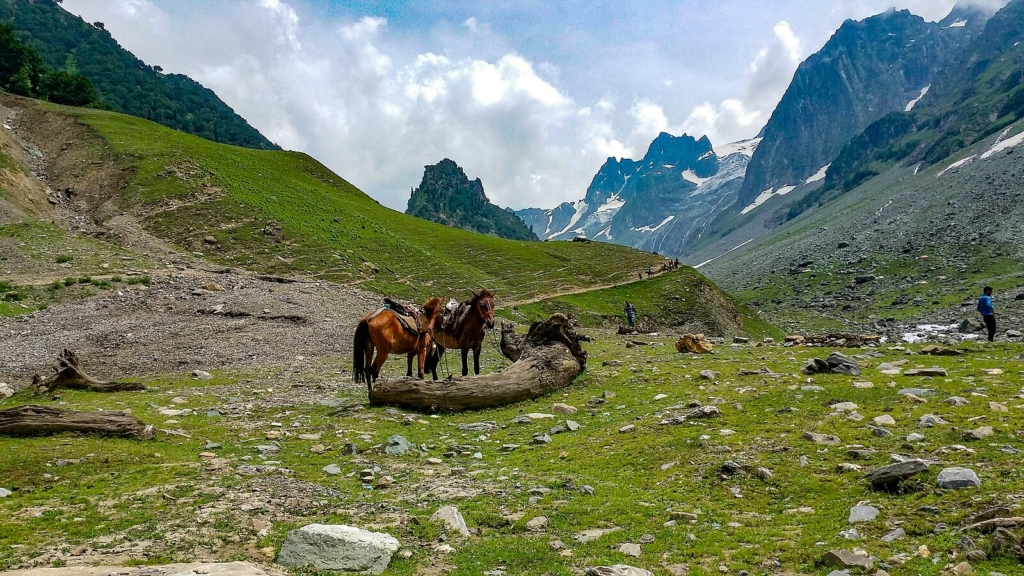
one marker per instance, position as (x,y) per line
(432,307)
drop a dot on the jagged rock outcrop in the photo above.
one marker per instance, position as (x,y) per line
(447,196)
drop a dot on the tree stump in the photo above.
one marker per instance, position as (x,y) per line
(69,374)
(550,358)
(34,420)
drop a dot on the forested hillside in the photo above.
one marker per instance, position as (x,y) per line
(126,84)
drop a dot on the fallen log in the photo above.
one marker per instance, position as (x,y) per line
(35,420)
(991,525)
(550,358)
(69,374)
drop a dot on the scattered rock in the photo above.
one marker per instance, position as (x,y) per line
(997,407)
(862,514)
(537,523)
(559,408)
(956,401)
(915,437)
(338,547)
(894,535)
(201,375)
(933,350)
(4,492)
(846,559)
(979,433)
(825,439)
(479,427)
(842,364)
(452,519)
(398,445)
(707,374)
(693,344)
(884,420)
(593,534)
(957,477)
(630,549)
(931,420)
(933,372)
(922,392)
(332,469)
(627,428)
(892,474)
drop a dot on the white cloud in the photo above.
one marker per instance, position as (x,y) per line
(764,83)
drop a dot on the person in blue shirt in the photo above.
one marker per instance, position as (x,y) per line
(630,314)
(988,313)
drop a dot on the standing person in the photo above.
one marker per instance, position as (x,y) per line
(988,313)
(630,314)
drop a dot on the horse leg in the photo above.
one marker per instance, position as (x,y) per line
(476,360)
(421,358)
(465,361)
(408,371)
(378,363)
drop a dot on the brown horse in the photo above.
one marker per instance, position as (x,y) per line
(384,332)
(465,331)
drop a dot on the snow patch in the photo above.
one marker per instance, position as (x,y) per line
(706,155)
(958,164)
(761,199)
(745,147)
(958,24)
(691,176)
(819,175)
(912,103)
(1002,144)
(581,209)
(655,228)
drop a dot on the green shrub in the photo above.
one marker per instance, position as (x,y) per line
(63,259)
(144,280)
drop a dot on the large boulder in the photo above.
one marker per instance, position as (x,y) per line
(891,475)
(842,364)
(957,477)
(693,344)
(338,547)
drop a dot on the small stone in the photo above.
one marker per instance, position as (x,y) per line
(559,408)
(863,385)
(847,467)
(930,420)
(201,375)
(537,524)
(385,482)
(956,478)
(884,420)
(956,401)
(825,439)
(846,559)
(338,547)
(452,519)
(332,469)
(915,437)
(862,514)
(212,446)
(894,535)
(963,569)
(398,445)
(844,407)
(979,433)
(997,407)
(764,473)
(707,374)
(521,420)
(617,570)
(572,425)
(893,474)
(541,439)
(630,549)
(627,428)
(4,492)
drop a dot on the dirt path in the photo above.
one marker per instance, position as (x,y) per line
(551,295)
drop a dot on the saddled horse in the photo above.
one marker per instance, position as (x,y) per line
(464,331)
(390,333)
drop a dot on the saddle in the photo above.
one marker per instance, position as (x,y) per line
(410,316)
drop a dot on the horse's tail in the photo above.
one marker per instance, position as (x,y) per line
(359,342)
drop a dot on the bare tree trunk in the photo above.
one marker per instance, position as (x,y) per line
(69,374)
(551,358)
(34,420)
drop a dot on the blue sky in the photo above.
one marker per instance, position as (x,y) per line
(529,96)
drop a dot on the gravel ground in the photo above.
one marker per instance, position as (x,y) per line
(175,325)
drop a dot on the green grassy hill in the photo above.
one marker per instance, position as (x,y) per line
(284,213)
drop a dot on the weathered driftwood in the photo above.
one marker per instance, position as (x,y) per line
(34,420)
(550,358)
(511,345)
(69,374)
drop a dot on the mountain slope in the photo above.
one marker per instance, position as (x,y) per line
(122,81)
(447,196)
(867,70)
(660,203)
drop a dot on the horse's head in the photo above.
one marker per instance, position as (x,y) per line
(432,310)
(483,305)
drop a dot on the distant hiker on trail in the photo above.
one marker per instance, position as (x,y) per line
(630,314)
(988,313)
(641,275)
